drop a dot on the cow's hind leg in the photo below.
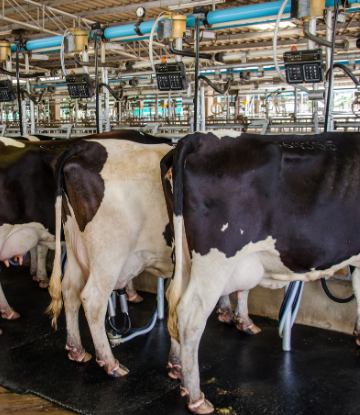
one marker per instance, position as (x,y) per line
(355,279)
(41,274)
(242,320)
(6,311)
(33,262)
(94,298)
(208,280)
(72,285)
(174,363)
(224,310)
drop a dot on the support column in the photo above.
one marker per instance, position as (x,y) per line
(312,45)
(32,108)
(329,17)
(105,91)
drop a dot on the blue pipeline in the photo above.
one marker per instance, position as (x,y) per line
(216,17)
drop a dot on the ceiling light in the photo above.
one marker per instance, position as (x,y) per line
(192,4)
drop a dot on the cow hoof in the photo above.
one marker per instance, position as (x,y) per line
(225,316)
(202,406)
(249,329)
(76,355)
(34,277)
(44,284)
(13,315)
(175,371)
(119,372)
(133,297)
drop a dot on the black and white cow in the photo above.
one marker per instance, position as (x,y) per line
(28,193)
(252,208)
(110,196)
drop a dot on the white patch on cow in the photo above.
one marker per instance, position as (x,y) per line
(10,142)
(241,231)
(31,138)
(225,133)
(224,227)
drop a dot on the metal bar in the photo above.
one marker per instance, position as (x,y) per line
(160,298)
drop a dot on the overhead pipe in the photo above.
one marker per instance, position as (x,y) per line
(232,17)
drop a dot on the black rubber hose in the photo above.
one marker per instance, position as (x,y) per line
(22,75)
(214,87)
(346,70)
(112,92)
(320,40)
(100,64)
(186,53)
(97,86)
(286,298)
(337,300)
(24,91)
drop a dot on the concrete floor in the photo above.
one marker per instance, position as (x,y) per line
(240,374)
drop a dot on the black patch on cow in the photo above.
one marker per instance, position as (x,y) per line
(168,235)
(132,135)
(305,196)
(82,181)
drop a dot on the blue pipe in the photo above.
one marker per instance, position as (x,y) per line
(216,17)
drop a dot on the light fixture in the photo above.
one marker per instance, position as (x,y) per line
(192,4)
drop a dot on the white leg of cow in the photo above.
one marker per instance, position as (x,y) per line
(33,262)
(41,274)
(355,279)
(241,319)
(193,312)
(6,311)
(94,298)
(224,310)
(174,363)
(72,285)
(131,293)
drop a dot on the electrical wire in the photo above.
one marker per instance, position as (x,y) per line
(112,92)
(66,33)
(214,87)
(151,40)
(24,91)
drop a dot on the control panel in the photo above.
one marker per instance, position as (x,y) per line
(7,93)
(79,86)
(304,66)
(171,77)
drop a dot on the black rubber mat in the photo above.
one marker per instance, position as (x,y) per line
(240,374)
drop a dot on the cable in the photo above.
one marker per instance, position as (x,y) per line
(66,33)
(320,40)
(22,75)
(276,30)
(112,92)
(152,40)
(187,53)
(337,300)
(100,64)
(24,91)
(214,87)
(331,74)
(346,70)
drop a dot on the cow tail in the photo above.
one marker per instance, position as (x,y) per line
(174,291)
(55,306)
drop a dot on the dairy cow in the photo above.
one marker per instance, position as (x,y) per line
(110,196)
(28,193)
(250,208)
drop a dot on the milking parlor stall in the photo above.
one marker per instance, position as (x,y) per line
(179,207)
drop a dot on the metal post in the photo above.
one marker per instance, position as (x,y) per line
(85,58)
(105,91)
(329,16)
(32,108)
(311,45)
(18,90)
(286,343)
(202,96)
(98,103)
(160,298)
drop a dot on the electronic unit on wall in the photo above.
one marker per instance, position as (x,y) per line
(171,76)
(304,66)
(7,93)
(79,86)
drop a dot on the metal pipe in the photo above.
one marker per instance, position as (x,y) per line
(160,298)
(32,108)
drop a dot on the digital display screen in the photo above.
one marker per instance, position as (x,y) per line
(173,68)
